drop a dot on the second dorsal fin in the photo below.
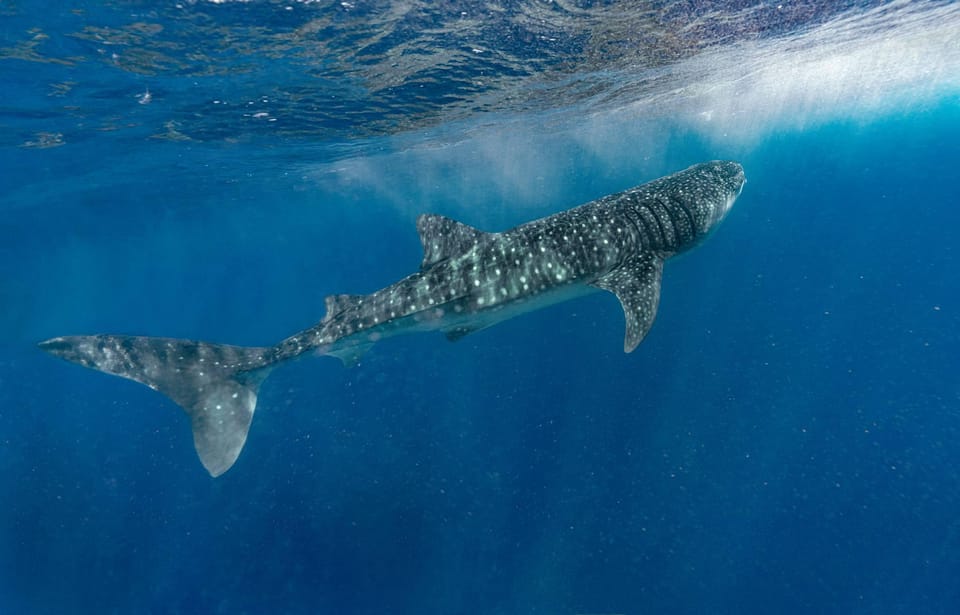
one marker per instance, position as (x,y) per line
(338,303)
(444,238)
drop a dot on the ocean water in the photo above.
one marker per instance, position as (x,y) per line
(784,441)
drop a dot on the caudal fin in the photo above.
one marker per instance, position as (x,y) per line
(215,384)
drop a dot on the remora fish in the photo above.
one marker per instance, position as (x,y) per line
(468,280)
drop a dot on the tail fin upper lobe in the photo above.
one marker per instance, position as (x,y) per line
(215,384)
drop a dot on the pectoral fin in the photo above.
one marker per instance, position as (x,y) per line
(636,284)
(351,355)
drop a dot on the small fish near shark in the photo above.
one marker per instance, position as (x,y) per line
(468,280)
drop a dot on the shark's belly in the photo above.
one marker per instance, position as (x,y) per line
(462,316)
(458,324)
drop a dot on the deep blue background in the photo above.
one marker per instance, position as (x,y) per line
(785,440)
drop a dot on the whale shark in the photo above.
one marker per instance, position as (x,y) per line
(468,280)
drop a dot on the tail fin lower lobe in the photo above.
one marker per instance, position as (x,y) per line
(215,384)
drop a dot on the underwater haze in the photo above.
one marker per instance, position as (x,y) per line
(785,439)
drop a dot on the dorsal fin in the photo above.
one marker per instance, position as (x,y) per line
(338,303)
(444,238)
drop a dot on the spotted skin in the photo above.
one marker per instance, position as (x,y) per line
(468,280)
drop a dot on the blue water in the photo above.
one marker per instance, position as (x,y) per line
(784,440)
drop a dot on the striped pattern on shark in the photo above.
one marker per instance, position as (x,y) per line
(468,280)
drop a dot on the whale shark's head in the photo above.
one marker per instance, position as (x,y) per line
(719,183)
(696,199)
(731,178)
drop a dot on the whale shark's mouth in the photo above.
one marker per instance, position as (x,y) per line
(741,179)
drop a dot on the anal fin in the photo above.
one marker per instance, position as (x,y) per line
(456,333)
